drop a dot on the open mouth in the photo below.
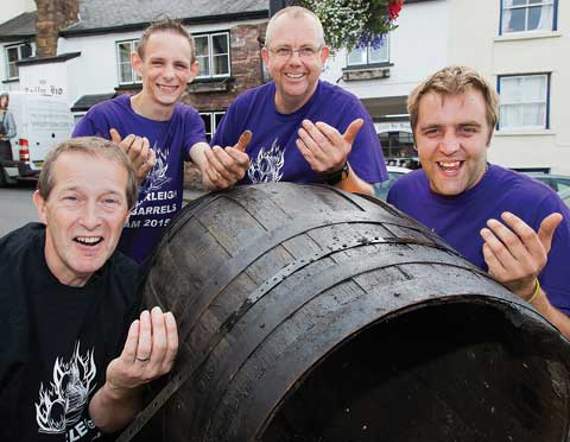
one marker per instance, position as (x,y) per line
(450,167)
(295,76)
(169,89)
(89,241)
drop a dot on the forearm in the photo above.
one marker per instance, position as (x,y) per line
(111,409)
(353,183)
(555,316)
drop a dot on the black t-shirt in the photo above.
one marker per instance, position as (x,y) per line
(56,341)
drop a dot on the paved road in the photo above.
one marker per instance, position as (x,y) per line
(16,207)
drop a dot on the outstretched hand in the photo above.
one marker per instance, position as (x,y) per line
(149,351)
(515,253)
(324,147)
(139,151)
(226,166)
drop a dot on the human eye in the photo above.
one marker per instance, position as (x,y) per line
(307,51)
(431,131)
(111,201)
(283,52)
(469,129)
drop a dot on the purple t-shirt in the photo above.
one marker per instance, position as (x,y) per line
(458,219)
(160,195)
(272,150)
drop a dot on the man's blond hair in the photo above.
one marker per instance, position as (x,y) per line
(456,80)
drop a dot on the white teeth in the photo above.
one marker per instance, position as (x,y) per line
(89,240)
(296,76)
(449,164)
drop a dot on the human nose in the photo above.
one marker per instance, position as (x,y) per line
(449,144)
(90,215)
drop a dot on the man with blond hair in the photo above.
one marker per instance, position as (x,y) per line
(304,130)
(504,222)
(67,301)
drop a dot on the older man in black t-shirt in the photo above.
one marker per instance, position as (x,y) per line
(67,301)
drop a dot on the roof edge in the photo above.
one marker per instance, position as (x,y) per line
(237,16)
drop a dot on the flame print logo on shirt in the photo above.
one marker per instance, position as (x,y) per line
(157,177)
(266,168)
(61,404)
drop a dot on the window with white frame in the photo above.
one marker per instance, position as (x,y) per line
(524,101)
(125,70)
(15,53)
(370,54)
(213,54)
(211,122)
(528,15)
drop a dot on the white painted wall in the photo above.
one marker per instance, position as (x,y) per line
(418,47)
(476,43)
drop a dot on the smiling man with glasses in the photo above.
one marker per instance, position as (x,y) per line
(304,130)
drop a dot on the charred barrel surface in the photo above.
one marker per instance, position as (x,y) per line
(309,314)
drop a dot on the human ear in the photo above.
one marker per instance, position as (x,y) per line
(40,204)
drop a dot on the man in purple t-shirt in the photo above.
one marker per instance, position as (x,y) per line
(515,228)
(159,134)
(303,130)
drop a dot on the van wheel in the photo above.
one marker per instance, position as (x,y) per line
(3,178)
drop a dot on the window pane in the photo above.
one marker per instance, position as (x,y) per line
(12,54)
(518,2)
(533,115)
(511,117)
(517,20)
(124,52)
(12,70)
(511,91)
(26,51)
(220,44)
(207,125)
(534,88)
(126,73)
(357,56)
(204,64)
(201,46)
(534,18)
(221,65)
(218,118)
(378,55)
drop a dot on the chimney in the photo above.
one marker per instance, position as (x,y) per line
(51,17)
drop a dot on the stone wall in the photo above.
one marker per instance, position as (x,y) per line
(51,17)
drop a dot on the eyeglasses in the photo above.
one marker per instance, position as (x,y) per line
(305,52)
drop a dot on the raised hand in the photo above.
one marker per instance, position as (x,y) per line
(324,147)
(149,351)
(515,253)
(139,151)
(226,166)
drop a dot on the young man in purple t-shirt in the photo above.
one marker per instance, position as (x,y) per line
(159,133)
(303,130)
(506,223)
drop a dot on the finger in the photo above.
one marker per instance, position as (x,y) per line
(517,244)
(547,229)
(129,352)
(126,143)
(532,251)
(244,140)
(144,348)
(135,151)
(305,151)
(115,136)
(317,152)
(158,336)
(239,157)
(215,156)
(172,339)
(352,130)
(499,249)
(495,267)
(314,138)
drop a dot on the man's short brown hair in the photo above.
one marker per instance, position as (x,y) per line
(456,80)
(94,147)
(166,25)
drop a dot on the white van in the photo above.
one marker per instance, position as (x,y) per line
(41,122)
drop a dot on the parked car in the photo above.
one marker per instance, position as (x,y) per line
(558,183)
(394,172)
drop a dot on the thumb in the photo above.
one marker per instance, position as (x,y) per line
(244,140)
(547,228)
(115,136)
(352,130)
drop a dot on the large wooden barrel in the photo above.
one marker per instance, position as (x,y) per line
(309,314)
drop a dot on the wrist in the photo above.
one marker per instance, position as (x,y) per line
(333,178)
(535,293)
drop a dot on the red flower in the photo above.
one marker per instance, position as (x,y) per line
(394,8)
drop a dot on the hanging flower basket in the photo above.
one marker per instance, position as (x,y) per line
(355,23)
